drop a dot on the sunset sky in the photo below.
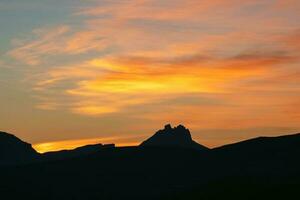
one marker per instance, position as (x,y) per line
(74,72)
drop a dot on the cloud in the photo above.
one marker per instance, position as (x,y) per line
(149,27)
(156,10)
(152,27)
(57,41)
(292,40)
(112,84)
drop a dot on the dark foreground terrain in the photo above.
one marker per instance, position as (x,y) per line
(169,165)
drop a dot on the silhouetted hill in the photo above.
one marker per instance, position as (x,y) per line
(80,151)
(175,137)
(260,168)
(264,144)
(261,148)
(14,151)
(273,156)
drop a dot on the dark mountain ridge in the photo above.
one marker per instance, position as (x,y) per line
(13,150)
(261,147)
(79,151)
(259,168)
(263,143)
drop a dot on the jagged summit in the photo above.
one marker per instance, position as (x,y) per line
(178,137)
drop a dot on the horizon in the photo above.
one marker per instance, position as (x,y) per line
(72,144)
(75,72)
(53,146)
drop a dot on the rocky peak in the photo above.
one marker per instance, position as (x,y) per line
(178,136)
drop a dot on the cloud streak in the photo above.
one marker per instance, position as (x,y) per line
(56,41)
(108,85)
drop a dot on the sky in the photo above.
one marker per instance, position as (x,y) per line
(74,72)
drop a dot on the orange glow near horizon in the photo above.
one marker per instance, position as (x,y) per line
(72,144)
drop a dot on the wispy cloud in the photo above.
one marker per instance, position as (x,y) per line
(56,41)
(108,85)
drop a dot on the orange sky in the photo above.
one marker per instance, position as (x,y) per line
(228,70)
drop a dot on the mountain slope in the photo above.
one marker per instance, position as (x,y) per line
(263,145)
(14,151)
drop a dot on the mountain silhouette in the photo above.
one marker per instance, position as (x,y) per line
(264,144)
(262,149)
(13,150)
(173,137)
(79,151)
(165,166)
